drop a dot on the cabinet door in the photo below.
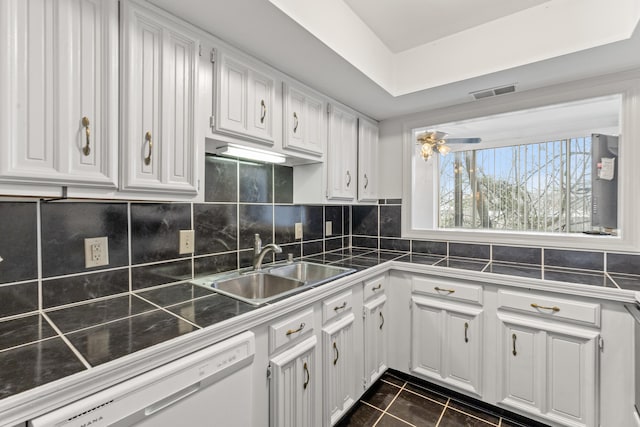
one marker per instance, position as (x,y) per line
(234,77)
(261,104)
(446,342)
(160,60)
(293,386)
(340,378)
(303,121)
(367,161)
(342,151)
(375,339)
(59,80)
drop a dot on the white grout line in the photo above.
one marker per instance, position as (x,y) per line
(66,340)
(167,311)
(39,249)
(444,409)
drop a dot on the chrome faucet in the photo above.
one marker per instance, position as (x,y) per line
(259,252)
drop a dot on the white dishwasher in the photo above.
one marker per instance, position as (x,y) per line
(210,387)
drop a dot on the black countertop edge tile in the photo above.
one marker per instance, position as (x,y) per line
(579,277)
(627,282)
(463,263)
(423,259)
(511,269)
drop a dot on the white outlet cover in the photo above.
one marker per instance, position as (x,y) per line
(328,228)
(187,239)
(96,252)
(298,230)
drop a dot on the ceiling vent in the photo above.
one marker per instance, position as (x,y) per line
(488,93)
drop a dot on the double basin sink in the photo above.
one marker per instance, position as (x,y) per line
(258,287)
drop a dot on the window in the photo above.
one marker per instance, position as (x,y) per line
(532,179)
(543,187)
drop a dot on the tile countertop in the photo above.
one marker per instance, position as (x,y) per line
(44,347)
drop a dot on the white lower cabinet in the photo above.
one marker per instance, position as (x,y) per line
(375,339)
(293,386)
(549,369)
(339,374)
(446,342)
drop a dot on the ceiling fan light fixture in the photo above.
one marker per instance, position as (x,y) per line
(444,149)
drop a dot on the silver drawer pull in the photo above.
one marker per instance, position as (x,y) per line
(444,290)
(375,288)
(340,307)
(295,331)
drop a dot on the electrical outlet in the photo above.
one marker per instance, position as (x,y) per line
(186,241)
(328,228)
(298,230)
(96,252)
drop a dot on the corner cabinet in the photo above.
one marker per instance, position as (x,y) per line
(159,99)
(303,120)
(59,85)
(246,99)
(367,161)
(375,330)
(342,149)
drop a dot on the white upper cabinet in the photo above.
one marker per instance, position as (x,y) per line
(59,85)
(342,148)
(303,120)
(367,161)
(245,100)
(159,81)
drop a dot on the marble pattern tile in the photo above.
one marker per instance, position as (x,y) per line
(24,330)
(623,263)
(311,248)
(365,242)
(282,184)
(381,395)
(68,290)
(18,223)
(429,247)
(421,259)
(335,215)
(476,412)
(461,263)
(517,254)
(395,244)
(245,258)
(429,394)
(470,250)
(110,341)
(66,225)
(574,259)
(346,220)
(215,227)
(32,365)
(159,274)
(255,219)
(213,264)
(630,283)
(155,230)
(333,244)
(390,421)
(365,220)
(390,221)
(256,183)
(577,276)
(452,418)
(284,220)
(71,319)
(363,415)
(221,179)
(312,223)
(174,294)
(295,249)
(515,270)
(211,309)
(18,298)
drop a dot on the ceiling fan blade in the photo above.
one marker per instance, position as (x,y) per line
(436,134)
(463,140)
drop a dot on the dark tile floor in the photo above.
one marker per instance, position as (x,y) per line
(393,401)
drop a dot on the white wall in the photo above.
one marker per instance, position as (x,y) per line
(390,159)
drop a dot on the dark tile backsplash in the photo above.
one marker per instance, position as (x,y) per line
(241,199)
(18,223)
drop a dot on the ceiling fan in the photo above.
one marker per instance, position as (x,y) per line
(432,141)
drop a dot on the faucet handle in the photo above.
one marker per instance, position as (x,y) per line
(257,243)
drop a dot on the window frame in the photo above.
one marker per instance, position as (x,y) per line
(627,84)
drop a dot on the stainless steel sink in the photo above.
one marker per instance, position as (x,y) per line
(311,273)
(257,288)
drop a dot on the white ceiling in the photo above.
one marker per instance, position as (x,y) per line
(405,24)
(330,48)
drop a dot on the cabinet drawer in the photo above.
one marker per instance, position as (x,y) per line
(549,307)
(336,306)
(290,330)
(448,289)
(374,287)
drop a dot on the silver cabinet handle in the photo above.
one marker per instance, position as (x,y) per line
(340,307)
(147,138)
(513,338)
(263,110)
(86,149)
(366,181)
(466,329)
(335,348)
(295,331)
(381,320)
(307,376)
(295,122)
(542,307)
(348,178)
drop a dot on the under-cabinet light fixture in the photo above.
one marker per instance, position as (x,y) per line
(232,150)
